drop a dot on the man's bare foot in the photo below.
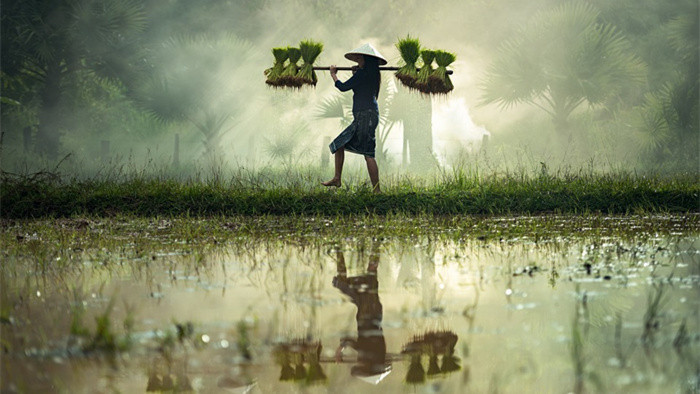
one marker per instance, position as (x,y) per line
(333,182)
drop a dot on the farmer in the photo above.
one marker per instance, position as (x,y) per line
(363,290)
(359,136)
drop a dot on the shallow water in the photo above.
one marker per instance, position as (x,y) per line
(613,313)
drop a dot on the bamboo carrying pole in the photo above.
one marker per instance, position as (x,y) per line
(381,68)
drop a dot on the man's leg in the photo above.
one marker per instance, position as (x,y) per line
(373,173)
(339,159)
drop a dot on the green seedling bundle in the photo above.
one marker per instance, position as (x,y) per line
(310,50)
(440,79)
(287,73)
(273,74)
(409,48)
(424,79)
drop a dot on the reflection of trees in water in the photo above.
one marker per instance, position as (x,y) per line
(417,271)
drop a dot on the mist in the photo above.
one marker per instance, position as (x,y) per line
(179,86)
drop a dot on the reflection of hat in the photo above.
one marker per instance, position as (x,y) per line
(371,374)
(366,49)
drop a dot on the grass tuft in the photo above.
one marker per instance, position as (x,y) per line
(261,194)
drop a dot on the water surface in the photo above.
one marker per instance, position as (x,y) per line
(613,311)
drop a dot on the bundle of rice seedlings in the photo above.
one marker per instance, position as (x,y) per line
(441,82)
(287,373)
(289,75)
(409,48)
(299,372)
(433,368)
(315,374)
(450,363)
(309,52)
(423,80)
(273,74)
(416,373)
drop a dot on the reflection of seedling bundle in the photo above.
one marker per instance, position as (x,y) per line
(433,344)
(423,80)
(168,382)
(310,50)
(409,48)
(416,373)
(292,357)
(274,73)
(441,79)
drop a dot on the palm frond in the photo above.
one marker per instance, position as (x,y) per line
(683,34)
(333,107)
(560,59)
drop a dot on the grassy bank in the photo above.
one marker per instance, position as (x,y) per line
(457,194)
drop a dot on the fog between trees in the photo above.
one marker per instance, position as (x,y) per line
(610,84)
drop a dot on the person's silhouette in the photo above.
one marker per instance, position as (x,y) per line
(372,364)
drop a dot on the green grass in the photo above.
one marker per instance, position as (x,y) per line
(453,194)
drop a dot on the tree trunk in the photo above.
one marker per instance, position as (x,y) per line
(48,136)
(418,134)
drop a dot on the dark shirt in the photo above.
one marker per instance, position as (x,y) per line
(362,85)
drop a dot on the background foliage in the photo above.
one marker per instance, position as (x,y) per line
(559,82)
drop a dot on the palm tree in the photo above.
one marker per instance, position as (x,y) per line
(198,82)
(46,42)
(415,112)
(561,59)
(669,115)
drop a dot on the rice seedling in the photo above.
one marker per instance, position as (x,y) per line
(315,374)
(577,355)
(416,373)
(450,363)
(433,344)
(244,342)
(433,368)
(652,316)
(441,82)
(310,51)
(289,75)
(104,338)
(682,339)
(423,80)
(409,48)
(287,372)
(275,72)
(296,194)
(299,369)
(580,358)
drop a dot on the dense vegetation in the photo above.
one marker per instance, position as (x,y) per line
(103,80)
(455,194)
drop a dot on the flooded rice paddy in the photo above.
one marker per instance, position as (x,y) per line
(550,304)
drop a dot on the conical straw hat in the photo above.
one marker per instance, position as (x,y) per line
(374,379)
(372,375)
(366,49)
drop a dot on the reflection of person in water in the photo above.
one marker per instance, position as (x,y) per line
(372,364)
